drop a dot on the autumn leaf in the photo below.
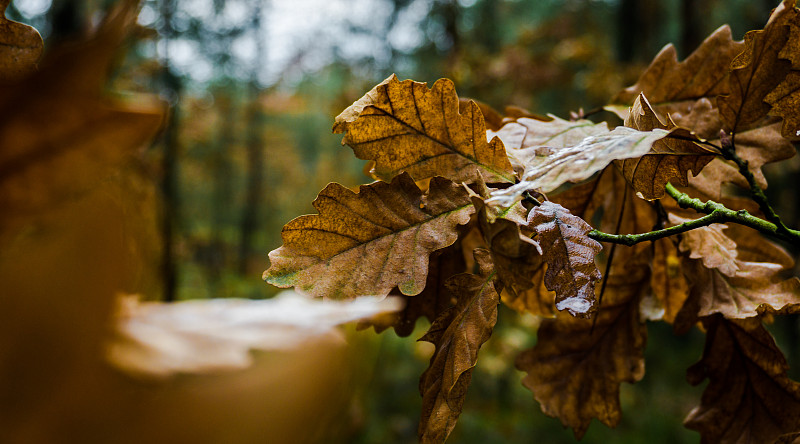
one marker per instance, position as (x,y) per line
(434,299)
(755,287)
(667,82)
(749,397)
(458,335)
(758,70)
(667,282)
(20,47)
(576,367)
(548,168)
(517,262)
(569,254)
(758,146)
(669,159)
(404,126)
(200,336)
(709,244)
(368,242)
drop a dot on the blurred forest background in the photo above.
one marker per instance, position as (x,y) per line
(253,88)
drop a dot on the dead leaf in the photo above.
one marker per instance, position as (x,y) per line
(667,281)
(433,300)
(669,160)
(457,334)
(367,243)
(517,262)
(575,369)
(200,336)
(749,397)
(404,126)
(757,70)
(701,75)
(569,254)
(20,47)
(548,168)
(710,245)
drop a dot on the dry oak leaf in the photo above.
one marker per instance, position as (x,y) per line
(666,81)
(198,336)
(667,282)
(457,334)
(749,397)
(669,159)
(367,243)
(758,70)
(531,132)
(434,299)
(569,253)
(517,262)
(547,168)
(404,126)
(20,47)
(575,370)
(710,245)
(758,146)
(756,286)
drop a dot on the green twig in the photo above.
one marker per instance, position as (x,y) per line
(728,151)
(715,213)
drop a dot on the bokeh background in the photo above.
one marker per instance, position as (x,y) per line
(253,88)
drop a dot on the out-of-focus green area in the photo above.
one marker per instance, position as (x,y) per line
(249,146)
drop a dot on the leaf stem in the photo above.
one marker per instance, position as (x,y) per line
(715,213)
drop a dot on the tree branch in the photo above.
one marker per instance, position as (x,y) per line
(715,213)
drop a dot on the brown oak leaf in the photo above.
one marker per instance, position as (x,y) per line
(569,254)
(20,47)
(576,368)
(758,70)
(749,397)
(367,243)
(458,334)
(404,126)
(669,160)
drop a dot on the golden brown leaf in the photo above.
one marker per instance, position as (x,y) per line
(569,254)
(669,159)
(404,126)
(749,397)
(433,300)
(709,244)
(20,47)
(575,370)
(367,243)
(667,281)
(517,262)
(458,335)
(703,74)
(785,101)
(758,146)
(754,288)
(758,70)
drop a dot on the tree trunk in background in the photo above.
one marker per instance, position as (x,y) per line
(222,194)
(172,87)
(691,27)
(254,197)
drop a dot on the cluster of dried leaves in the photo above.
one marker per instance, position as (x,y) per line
(472,208)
